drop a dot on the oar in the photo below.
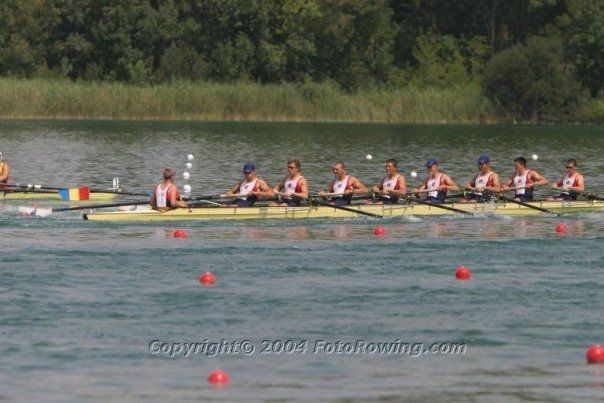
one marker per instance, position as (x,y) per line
(44,212)
(593,196)
(440,206)
(543,210)
(324,203)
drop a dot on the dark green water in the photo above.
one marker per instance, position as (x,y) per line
(81,302)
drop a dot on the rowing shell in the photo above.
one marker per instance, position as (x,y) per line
(53,196)
(248,213)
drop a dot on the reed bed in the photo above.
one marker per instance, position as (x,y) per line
(310,102)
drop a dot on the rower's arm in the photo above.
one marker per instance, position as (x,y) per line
(496,186)
(264,190)
(324,193)
(507,183)
(580,185)
(558,183)
(5,173)
(233,191)
(537,179)
(303,194)
(470,185)
(174,201)
(422,187)
(402,190)
(278,188)
(357,186)
(449,184)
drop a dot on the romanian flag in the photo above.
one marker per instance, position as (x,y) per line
(82,193)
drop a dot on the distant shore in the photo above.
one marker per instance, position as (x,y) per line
(311,102)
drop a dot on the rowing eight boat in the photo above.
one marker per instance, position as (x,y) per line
(53,196)
(242,213)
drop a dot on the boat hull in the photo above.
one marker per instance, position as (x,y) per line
(249,213)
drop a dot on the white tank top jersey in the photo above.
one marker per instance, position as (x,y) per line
(390,184)
(246,187)
(482,180)
(339,187)
(433,183)
(161,195)
(290,184)
(569,181)
(521,180)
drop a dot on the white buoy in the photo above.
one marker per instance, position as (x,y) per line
(535,157)
(369,157)
(186,175)
(413,174)
(190,157)
(188,165)
(186,188)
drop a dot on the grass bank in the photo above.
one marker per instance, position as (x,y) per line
(312,102)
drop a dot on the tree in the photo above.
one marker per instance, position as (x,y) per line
(584,27)
(530,82)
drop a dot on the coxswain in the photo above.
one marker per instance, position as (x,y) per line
(436,184)
(571,184)
(293,188)
(4,173)
(484,183)
(393,186)
(250,188)
(343,187)
(524,181)
(165,195)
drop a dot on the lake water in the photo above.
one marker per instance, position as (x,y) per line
(91,310)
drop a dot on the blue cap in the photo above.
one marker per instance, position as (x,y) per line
(431,162)
(249,167)
(484,159)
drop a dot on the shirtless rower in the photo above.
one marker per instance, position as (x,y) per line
(4,173)
(524,181)
(250,188)
(484,183)
(436,184)
(293,188)
(165,195)
(343,187)
(571,183)
(393,186)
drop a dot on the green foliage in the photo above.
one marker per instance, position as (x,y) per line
(530,82)
(439,62)
(358,44)
(584,26)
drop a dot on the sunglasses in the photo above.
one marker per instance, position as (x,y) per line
(291,167)
(570,167)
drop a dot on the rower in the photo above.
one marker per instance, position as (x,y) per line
(393,186)
(250,188)
(165,196)
(571,183)
(343,187)
(436,184)
(293,187)
(524,181)
(4,173)
(484,183)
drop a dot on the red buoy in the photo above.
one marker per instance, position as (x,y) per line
(379,231)
(463,273)
(180,233)
(595,354)
(561,229)
(218,377)
(207,279)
